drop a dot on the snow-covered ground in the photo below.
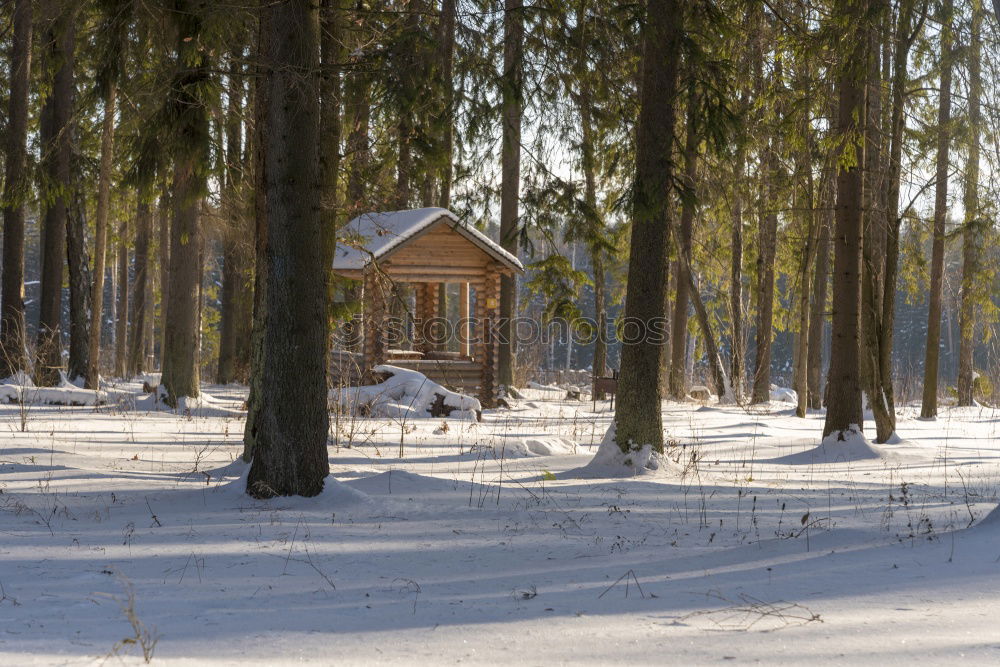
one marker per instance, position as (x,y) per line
(448,541)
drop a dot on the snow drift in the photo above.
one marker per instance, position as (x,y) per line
(405,394)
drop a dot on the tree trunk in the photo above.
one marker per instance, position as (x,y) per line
(237,253)
(446,43)
(357,108)
(163,243)
(972,237)
(121,322)
(678,337)
(844,408)
(79,280)
(928,408)
(596,222)
(101,236)
(512,98)
(821,279)
(140,305)
(291,425)
(638,420)
(875,242)
(766,248)
(181,354)
(736,279)
(57,150)
(801,376)
(13,356)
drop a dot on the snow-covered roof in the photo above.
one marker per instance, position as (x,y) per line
(373,235)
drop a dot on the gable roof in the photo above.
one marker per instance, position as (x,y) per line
(371,236)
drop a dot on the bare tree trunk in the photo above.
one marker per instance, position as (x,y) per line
(510,189)
(801,378)
(291,424)
(821,279)
(678,336)
(875,241)
(638,420)
(844,408)
(908,27)
(181,354)
(736,371)
(140,305)
(357,107)
(57,151)
(766,243)
(446,44)
(101,235)
(972,237)
(121,323)
(928,408)
(79,280)
(13,355)
(163,213)
(237,298)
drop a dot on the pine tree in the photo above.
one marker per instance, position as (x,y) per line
(844,409)
(638,421)
(13,356)
(512,96)
(58,50)
(189,114)
(928,407)
(291,421)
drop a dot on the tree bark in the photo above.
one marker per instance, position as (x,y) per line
(929,408)
(877,388)
(291,424)
(181,354)
(801,376)
(844,408)
(357,107)
(13,355)
(121,322)
(678,336)
(638,420)
(766,248)
(512,99)
(79,280)
(237,253)
(972,237)
(446,42)
(163,245)
(101,236)
(821,280)
(136,362)
(736,278)
(56,140)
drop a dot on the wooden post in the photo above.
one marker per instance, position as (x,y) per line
(464,331)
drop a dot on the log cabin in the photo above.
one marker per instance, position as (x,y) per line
(401,260)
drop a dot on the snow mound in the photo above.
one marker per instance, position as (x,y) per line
(992,520)
(401,482)
(20,389)
(203,405)
(841,447)
(334,493)
(541,446)
(406,394)
(784,395)
(611,461)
